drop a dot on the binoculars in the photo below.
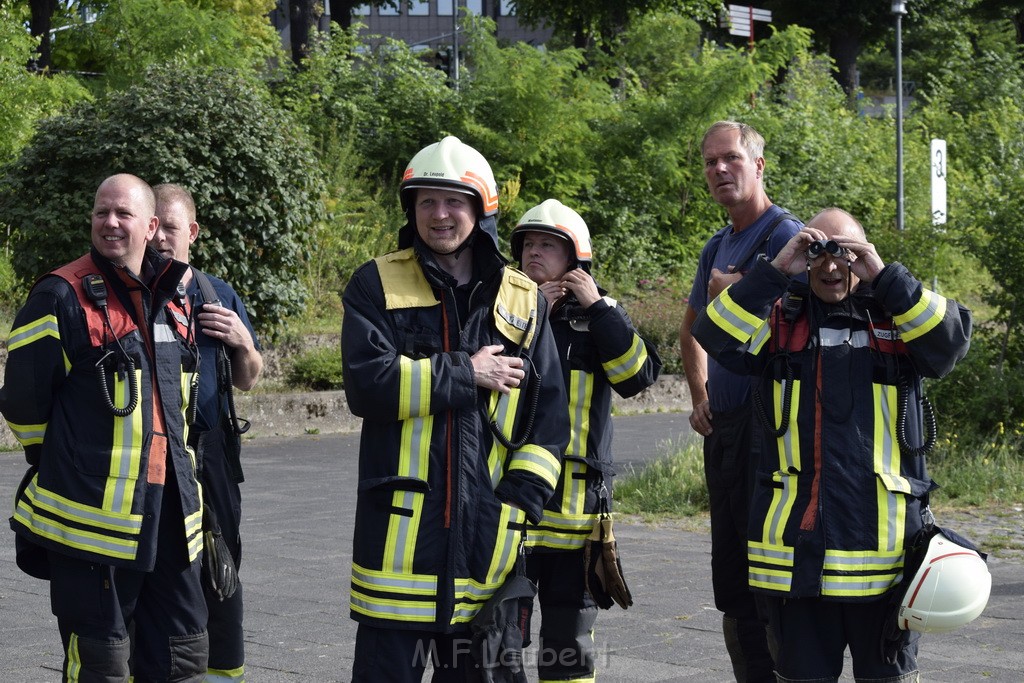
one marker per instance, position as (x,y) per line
(830,247)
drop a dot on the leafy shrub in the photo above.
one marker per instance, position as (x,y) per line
(656,309)
(319,370)
(250,168)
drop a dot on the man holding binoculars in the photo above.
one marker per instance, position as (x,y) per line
(841,485)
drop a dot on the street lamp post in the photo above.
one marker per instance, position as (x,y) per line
(899,8)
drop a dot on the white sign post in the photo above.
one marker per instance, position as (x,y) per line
(938,182)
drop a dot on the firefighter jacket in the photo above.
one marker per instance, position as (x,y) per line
(442,504)
(94,488)
(600,352)
(842,485)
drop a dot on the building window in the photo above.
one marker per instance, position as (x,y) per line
(420,8)
(387,12)
(507,8)
(444,8)
(475,6)
(361,11)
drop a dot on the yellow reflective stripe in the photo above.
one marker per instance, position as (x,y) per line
(574,488)
(39,328)
(225,675)
(537,460)
(125,450)
(503,408)
(788,448)
(892,505)
(28,435)
(194,533)
(88,541)
(403,531)
(561,531)
(862,560)
(400,607)
(393,582)
(506,544)
(771,579)
(581,391)
(74,667)
(858,585)
(393,609)
(732,318)
(922,316)
(628,364)
(84,515)
(760,336)
(414,387)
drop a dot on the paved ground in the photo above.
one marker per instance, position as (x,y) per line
(299,503)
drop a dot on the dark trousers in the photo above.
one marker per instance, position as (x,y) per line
(730,459)
(385,655)
(566,649)
(227,638)
(113,620)
(813,635)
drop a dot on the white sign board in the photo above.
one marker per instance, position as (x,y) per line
(938,182)
(742,18)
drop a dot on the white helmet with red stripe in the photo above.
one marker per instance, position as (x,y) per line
(453,165)
(949,589)
(554,217)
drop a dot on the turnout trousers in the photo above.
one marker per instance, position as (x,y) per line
(388,655)
(117,622)
(227,638)
(730,457)
(566,650)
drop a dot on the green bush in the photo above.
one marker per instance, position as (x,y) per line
(656,309)
(319,370)
(249,166)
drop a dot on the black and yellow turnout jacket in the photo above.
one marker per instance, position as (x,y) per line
(841,484)
(600,352)
(94,489)
(442,504)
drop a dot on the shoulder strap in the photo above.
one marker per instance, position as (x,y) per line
(760,247)
(403,282)
(205,287)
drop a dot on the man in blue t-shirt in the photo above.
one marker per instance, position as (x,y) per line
(733,167)
(213,433)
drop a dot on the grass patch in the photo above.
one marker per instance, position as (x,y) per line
(978,471)
(671,486)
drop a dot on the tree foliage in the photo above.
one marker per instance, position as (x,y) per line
(25,96)
(129,36)
(252,172)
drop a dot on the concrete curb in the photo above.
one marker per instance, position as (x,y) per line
(326,412)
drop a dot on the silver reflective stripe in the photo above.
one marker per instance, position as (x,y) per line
(162,332)
(830,337)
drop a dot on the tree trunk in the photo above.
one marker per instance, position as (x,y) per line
(845,47)
(300,13)
(341,13)
(39,27)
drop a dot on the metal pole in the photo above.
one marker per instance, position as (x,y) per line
(455,45)
(899,9)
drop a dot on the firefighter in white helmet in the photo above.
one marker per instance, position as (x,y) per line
(445,350)
(600,352)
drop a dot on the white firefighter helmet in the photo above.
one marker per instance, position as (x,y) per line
(554,217)
(454,165)
(949,589)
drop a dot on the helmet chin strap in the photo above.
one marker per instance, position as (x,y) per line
(466,243)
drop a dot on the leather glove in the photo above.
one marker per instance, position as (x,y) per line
(218,565)
(497,633)
(604,578)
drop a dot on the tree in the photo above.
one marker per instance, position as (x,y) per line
(25,97)
(841,28)
(128,36)
(250,167)
(341,10)
(301,19)
(39,27)
(587,22)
